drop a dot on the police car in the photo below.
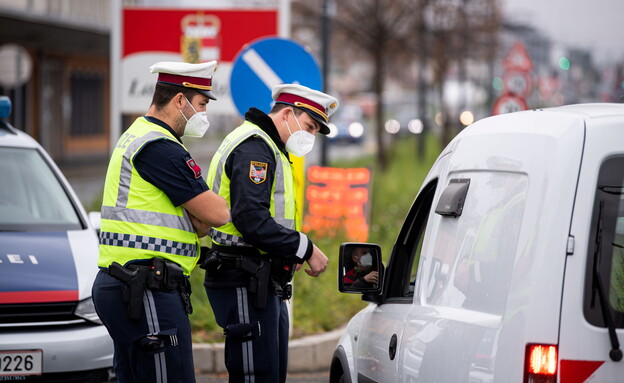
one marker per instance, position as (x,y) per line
(509,266)
(49,329)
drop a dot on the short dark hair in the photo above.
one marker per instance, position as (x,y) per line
(165,92)
(279,106)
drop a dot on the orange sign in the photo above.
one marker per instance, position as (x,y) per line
(338,202)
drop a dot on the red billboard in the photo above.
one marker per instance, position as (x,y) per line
(175,30)
(149,35)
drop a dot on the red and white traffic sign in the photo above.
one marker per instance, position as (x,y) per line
(518,83)
(547,87)
(508,103)
(518,59)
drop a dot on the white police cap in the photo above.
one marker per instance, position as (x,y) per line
(195,76)
(319,105)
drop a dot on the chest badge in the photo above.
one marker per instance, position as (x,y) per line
(258,171)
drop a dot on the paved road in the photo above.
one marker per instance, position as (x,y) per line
(319,377)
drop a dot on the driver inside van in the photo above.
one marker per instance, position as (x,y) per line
(362,274)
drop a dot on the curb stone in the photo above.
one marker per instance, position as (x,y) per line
(308,354)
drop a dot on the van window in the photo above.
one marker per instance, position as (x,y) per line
(606,246)
(474,253)
(31,196)
(401,274)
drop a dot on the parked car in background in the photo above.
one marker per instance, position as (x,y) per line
(49,330)
(509,266)
(347,125)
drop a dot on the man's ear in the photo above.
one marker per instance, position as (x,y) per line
(179,100)
(286,113)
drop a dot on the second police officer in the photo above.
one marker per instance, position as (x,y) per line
(254,256)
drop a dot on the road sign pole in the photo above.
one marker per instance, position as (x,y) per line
(284,19)
(115,57)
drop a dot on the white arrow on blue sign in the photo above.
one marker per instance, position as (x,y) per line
(267,62)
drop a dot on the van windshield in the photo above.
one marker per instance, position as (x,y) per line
(606,249)
(31,196)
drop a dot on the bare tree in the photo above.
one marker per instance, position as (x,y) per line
(390,34)
(379,28)
(460,30)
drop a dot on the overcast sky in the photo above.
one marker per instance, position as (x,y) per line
(593,24)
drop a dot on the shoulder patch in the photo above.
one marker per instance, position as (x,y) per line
(194,167)
(258,171)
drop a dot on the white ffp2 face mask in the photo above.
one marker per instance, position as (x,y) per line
(366,260)
(197,125)
(300,142)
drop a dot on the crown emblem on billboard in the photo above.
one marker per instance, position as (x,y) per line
(201,39)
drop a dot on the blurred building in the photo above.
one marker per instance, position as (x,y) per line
(54,64)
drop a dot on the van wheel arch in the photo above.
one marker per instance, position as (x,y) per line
(339,369)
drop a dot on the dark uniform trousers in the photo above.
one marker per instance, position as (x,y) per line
(158,346)
(256,343)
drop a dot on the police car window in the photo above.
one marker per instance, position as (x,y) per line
(31,196)
(405,259)
(606,248)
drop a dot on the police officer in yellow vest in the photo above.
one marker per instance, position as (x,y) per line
(254,256)
(155,207)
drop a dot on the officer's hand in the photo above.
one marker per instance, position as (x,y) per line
(317,262)
(201,228)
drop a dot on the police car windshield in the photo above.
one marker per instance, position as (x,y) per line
(31,196)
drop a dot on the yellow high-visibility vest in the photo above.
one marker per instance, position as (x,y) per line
(283,206)
(139,221)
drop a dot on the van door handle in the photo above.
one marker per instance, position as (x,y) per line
(393,347)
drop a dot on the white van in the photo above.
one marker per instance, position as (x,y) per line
(509,266)
(49,330)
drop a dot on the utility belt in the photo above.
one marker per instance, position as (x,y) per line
(263,271)
(153,274)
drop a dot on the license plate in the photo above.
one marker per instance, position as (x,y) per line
(23,362)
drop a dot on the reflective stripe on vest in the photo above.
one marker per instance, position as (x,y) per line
(218,235)
(121,213)
(127,225)
(148,243)
(147,217)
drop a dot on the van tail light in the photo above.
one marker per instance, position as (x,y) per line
(541,363)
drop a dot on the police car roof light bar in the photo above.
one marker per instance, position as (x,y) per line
(5,106)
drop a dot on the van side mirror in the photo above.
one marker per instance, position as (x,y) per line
(359,268)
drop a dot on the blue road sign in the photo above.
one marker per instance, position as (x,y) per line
(267,62)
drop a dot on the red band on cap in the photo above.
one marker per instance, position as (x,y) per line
(292,98)
(177,79)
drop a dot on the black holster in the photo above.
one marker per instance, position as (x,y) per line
(161,275)
(134,287)
(258,281)
(258,268)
